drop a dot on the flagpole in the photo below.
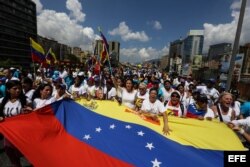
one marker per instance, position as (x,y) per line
(107,55)
(236,44)
(34,68)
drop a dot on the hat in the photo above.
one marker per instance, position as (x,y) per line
(175,93)
(97,78)
(81,73)
(12,68)
(182,80)
(62,86)
(56,73)
(196,91)
(156,81)
(57,80)
(211,80)
(235,92)
(3,79)
(202,98)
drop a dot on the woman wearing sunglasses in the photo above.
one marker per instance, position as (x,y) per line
(174,105)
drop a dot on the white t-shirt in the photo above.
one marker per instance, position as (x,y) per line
(209,113)
(242,122)
(12,108)
(77,90)
(111,93)
(155,108)
(236,108)
(39,103)
(29,94)
(211,93)
(128,98)
(167,94)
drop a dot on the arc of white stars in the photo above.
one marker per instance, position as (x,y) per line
(150,146)
(86,137)
(156,163)
(112,126)
(141,133)
(99,129)
(128,127)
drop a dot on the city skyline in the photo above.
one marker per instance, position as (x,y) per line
(144,30)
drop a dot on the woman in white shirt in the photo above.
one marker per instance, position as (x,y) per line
(129,94)
(27,85)
(43,96)
(153,107)
(14,103)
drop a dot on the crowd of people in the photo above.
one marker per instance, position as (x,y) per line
(148,92)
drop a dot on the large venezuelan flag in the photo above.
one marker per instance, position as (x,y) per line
(37,52)
(67,134)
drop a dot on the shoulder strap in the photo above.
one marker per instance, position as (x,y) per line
(219,112)
(182,108)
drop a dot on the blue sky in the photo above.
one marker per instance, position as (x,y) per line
(143,27)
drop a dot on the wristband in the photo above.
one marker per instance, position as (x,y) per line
(242,131)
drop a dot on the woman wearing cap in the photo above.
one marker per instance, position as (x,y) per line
(223,110)
(152,107)
(174,106)
(14,103)
(200,109)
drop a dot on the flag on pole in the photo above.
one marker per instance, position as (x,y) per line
(37,52)
(51,57)
(104,54)
(105,42)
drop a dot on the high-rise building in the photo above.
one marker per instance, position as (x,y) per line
(18,23)
(60,50)
(192,45)
(216,51)
(175,52)
(245,70)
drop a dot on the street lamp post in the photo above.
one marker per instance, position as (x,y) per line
(236,44)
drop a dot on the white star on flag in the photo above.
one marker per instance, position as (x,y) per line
(128,127)
(98,129)
(156,163)
(87,137)
(140,133)
(150,146)
(112,126)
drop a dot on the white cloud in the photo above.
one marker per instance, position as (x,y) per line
(64,28)
(157,25)
(39,6)
(142,54)
(127,34)
(226,32)
(75,8)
